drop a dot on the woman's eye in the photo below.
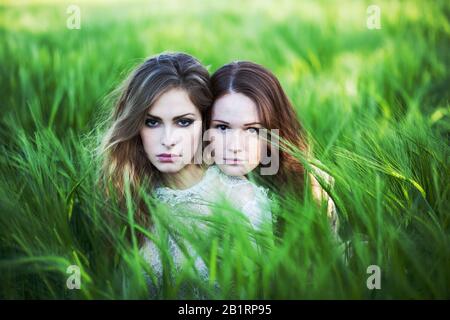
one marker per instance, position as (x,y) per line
(151,123)
(221,127)
(253,130)
(184,122)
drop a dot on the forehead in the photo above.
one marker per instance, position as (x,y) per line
(235,108)
(173,103)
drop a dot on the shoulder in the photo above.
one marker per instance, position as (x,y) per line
(320,182)
(317,172)
(320,194)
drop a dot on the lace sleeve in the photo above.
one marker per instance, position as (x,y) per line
(151,254)
(245,196)
(257,208)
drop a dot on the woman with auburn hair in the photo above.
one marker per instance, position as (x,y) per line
(248,98)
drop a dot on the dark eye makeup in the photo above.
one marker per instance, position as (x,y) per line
(253,130)
(224,127)
(151,123)
(182,122)
(221,127)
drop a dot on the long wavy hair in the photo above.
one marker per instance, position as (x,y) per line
(121,150)
(275,112)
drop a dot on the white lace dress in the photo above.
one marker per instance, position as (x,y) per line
(242,194)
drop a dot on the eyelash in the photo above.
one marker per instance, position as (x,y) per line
(223,127)
(179,122)
(189,122)
(147,123)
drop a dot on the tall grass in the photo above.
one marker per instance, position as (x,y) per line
(375,104)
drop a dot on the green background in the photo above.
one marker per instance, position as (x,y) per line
(375,103)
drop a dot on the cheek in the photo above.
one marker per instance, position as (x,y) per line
(254,148)
(149,139)
(218,143)
(253,144)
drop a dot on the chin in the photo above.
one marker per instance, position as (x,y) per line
(169,167)
(234,170)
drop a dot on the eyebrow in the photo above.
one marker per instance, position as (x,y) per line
(252,123)
(224,122)
(176,118)
(245,125)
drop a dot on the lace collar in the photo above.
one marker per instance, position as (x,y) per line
(196,193)
(191,194)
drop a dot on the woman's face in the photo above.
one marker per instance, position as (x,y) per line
(235,125)
(172,131)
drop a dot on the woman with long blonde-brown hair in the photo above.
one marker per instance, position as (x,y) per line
(155,128)
(153,140)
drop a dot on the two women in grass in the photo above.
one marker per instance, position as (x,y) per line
(168,107)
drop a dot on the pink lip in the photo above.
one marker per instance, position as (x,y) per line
(166,157)
(233,160)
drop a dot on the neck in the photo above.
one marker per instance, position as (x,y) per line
(190,175)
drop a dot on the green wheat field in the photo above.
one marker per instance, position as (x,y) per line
(375,103)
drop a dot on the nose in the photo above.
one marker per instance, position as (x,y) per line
(169,138)
(234,143)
